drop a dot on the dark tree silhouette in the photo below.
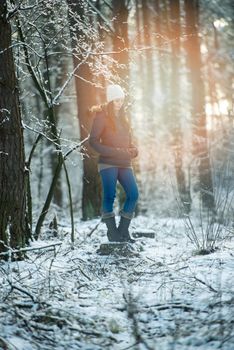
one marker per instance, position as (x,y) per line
(194,62)
(85,92)
(12,158)
(120,40)
(174,109)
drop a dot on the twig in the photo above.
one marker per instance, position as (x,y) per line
(205,284)
(30,248)
(22,290)
(6,345)
(70,204)
(93,229)
(131,346)
(106,21)
(56,98)
(84,274)
(46,206)
(34,324)
(132,312)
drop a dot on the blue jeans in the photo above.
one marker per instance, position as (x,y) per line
(127,180)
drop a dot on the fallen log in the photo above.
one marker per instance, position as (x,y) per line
(117,248)
(143,233)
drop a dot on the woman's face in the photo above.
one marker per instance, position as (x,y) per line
(118,104)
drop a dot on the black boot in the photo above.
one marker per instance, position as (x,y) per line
(123,229)
(112,232)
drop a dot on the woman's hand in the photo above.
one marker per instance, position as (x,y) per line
(130,152)
(133,151)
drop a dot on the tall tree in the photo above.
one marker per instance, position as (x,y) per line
(120,40)
(12,158)
(174,109)
(121,55)
(162,41)
(139,42)
(44,91)
(85,92)
(149,67)
(194,62)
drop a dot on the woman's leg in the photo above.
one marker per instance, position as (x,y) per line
(128,181)
(109,179)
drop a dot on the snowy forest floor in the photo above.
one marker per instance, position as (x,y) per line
(166,298)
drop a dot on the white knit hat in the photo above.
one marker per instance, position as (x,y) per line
(113,92)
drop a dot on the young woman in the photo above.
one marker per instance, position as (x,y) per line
(111,138)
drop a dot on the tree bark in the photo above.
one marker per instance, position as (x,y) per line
(200,144)
(12,157)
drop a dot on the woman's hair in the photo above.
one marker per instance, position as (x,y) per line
(108,108)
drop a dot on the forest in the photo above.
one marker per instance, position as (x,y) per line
(63,285)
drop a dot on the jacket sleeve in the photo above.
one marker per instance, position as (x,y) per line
(95,136)
(132,144)
(132,139)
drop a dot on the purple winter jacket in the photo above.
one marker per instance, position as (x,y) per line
(112,145)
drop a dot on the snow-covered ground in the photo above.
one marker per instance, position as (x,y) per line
(165,298)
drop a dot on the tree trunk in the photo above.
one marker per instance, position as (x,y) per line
(200,146)
(120,41)
(85,92)
(149,79)
(12,158)
(121,55)
(161,28)
(101,78)
(174,109)
(139,41)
